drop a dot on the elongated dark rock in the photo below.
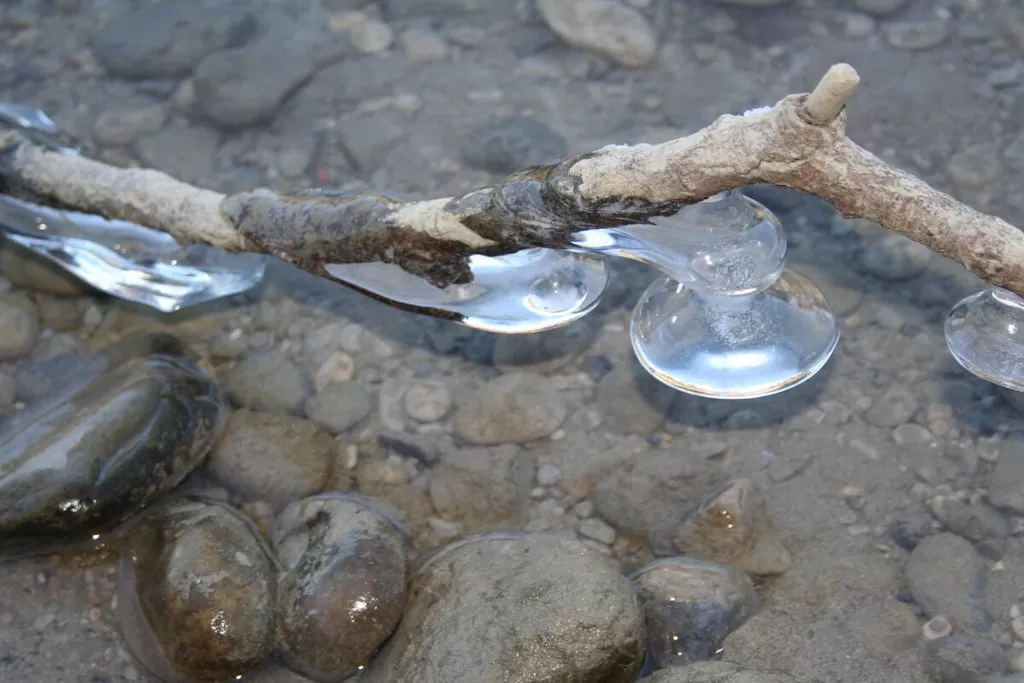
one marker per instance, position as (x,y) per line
(116,430)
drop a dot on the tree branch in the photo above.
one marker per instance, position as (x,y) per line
(799,143)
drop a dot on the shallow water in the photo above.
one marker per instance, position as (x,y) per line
(403,97)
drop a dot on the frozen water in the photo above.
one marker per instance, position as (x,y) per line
(985,334)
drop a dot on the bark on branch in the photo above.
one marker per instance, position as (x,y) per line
(799,143)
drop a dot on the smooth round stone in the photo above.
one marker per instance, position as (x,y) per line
(690,606)
(119,429)
(196,593)
(344,589)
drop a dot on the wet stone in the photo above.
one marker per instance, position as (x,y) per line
(947,576)
(514,408)
(62,314)
(690,606)
(114,432)
(963,658)
(339,406)
(169,39)
(19,325)
(732,526)
(975,167)
(476,608)
(196,592)
(427,401)
(880,8)
(344,587)
(7,393)
(974,521)
(512,143)
(481,487)
(276,458)
(268,381)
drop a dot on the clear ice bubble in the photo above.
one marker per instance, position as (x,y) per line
(726,322)
(528,291)
(985,334)
(127,260)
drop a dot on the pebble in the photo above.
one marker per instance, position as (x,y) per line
(427,401)
(606,27)
(62,314)
(197,592)
(268,381)
(139,412)
(597,530)
(371,36)
(631,401)
(1006,485)
(120,127)
(244,86)
(512,143)
(548,475)
(975,167)
(19,325)
(343,590)
(895,258)
(976,522)
(543,352)
(963,658)
(880,8)
(337,367)
(168,39)
(29,271)
(423,45)
(690,606)
(908,531)
(459,626)
(339,406)
(947,576)
(916,34)
(271,457)
(894,407)
(480,487)
(732,526)
(515,408)
(183,149)
(369,138)
(936,627)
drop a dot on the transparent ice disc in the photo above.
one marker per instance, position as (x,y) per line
(529,291)
(734,346)
(985,334)
(726,321)
(127,260)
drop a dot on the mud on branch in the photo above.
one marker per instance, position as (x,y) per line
(799,143)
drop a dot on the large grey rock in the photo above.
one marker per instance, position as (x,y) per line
(1006,487)
(514,408)
(526,608)
(947,576)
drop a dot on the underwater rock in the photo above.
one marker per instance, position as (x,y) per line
(529,608)
(514,408)
(196,592)
(690,606)
(344,589)
(732,526)
(947,576)
(116,431)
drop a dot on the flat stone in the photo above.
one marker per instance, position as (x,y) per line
(607,27)
(514,408)
(947,576)
(268,381)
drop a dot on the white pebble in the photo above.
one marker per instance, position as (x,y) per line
(597,530)
(339,367)
(371,36)
(1017,626)
(427,401)
(936,627)
(548,475)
